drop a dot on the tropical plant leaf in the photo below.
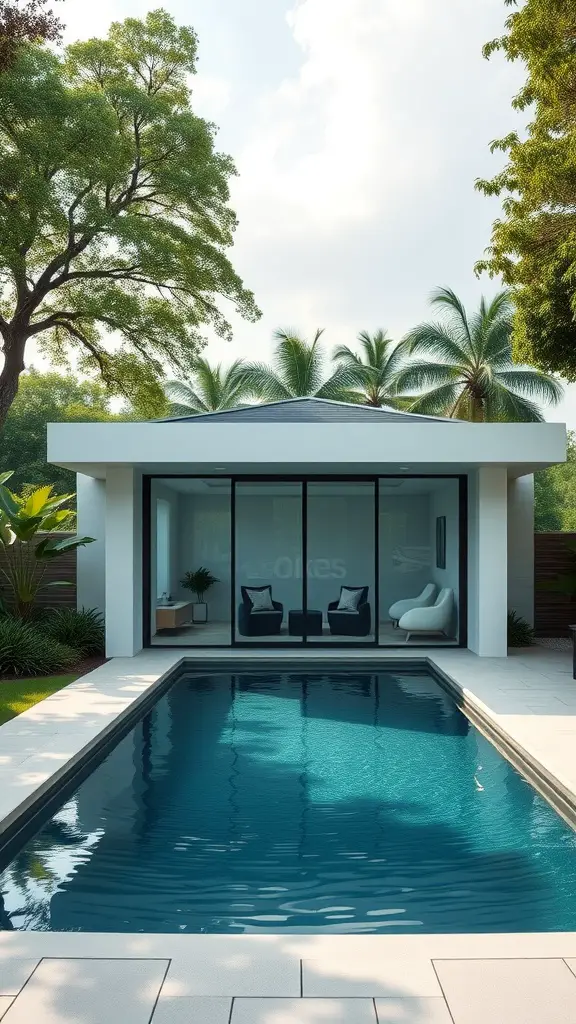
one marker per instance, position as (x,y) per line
(51,547)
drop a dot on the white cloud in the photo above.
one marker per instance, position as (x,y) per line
(330,147)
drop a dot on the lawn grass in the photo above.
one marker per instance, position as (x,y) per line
(18,695)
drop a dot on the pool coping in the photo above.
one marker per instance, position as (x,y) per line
(148,675)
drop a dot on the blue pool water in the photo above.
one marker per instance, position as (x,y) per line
(299,802)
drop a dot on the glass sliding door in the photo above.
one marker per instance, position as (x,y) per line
(268,562)
(341,561)
(190,529)
(420,563)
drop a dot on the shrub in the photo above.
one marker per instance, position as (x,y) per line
(26,651)
(520,632)
(83,630)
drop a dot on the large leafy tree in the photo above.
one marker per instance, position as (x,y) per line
(555,494)
(468,371)
(298,371)
(49,398)
(24,22)
(114,212)
(374,369)
(534,244)
(211,388)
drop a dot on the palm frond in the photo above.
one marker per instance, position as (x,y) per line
(433,339)
(183,399)
(533,384)
(439,401)
(447,299)
(262,382)
(340,386)
(504,406)
(424,374)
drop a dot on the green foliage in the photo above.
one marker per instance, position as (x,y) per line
(199,582)
(468,371)
(26,651)
(82,630)
(212,388)
(374,370)
(534,245)
(520,632)
(49,398)
(297,371)
(555,494)
(22,23)
(22,518)
(114,212)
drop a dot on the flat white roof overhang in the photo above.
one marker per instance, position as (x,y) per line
(305,448)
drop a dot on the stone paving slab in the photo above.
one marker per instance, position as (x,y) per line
(303,1011)
(86,991)
(192,1011)
(369,976)
(508,991)
(240,974)
(413,1011)
(14,973)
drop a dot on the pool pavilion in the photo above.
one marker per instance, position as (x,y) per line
(324,525)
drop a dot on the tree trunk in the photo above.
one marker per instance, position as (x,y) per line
(10,373)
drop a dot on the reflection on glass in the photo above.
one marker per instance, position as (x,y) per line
(419,543)
(190,523)
(268,561)
(341,561)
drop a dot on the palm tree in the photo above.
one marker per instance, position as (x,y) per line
(297,371)
(212,388)
(375,369)
(469,372)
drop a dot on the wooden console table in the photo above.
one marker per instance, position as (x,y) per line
(170,616)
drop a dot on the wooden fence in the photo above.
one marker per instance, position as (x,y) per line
(62,568)
(553,613)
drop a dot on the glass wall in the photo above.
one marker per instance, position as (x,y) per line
(268,531)
(335,562)
(419,560)
(341,561)
(190,529)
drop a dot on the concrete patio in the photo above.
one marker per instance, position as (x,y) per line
(528,701)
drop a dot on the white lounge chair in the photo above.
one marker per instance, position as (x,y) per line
(436,618)
(397,610)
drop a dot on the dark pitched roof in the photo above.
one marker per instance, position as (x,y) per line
(308,410)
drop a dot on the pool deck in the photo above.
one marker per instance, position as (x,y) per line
(527,702)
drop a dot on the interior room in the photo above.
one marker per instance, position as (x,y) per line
(382,561)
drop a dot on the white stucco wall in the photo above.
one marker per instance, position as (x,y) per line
(91,505)
(123,562)
(521,547)
(487,561)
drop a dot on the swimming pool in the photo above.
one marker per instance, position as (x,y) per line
(306,802)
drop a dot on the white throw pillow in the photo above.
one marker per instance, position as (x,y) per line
(349,600)
(261,600)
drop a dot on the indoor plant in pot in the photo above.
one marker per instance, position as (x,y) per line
(199,582)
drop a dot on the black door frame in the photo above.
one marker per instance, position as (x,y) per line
(304,480)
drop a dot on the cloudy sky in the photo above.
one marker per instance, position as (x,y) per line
(358,128)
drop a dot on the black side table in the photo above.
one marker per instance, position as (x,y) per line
(302,622)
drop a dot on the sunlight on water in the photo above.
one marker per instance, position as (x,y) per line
(299,802)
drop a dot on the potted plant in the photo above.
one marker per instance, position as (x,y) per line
(199,582)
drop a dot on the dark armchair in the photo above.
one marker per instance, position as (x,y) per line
(252,623)
(357,623)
